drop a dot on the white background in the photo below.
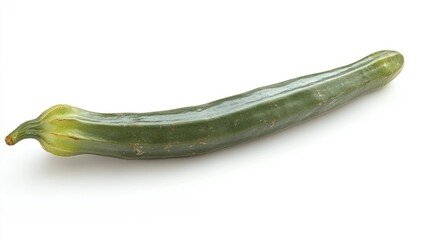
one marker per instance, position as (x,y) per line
(360,172)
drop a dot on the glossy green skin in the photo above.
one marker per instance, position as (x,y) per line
(65,130)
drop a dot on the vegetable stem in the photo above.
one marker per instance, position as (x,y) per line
(28,129)
(9,141)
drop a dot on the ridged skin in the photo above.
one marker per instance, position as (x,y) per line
(65,130)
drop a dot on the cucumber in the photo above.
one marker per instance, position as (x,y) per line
(65,130)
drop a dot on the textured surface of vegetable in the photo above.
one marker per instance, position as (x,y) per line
(65,130)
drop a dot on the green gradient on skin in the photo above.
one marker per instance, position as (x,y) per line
(65,130)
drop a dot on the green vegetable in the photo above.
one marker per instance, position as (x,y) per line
(65,130)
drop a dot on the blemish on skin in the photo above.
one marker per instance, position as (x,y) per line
(65,136)
(168,147)
(235,123)
(204,141)
(138,149)
(65,119)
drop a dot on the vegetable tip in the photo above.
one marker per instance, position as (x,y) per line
(9,141)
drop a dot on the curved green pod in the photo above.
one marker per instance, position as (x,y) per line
(65,130)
